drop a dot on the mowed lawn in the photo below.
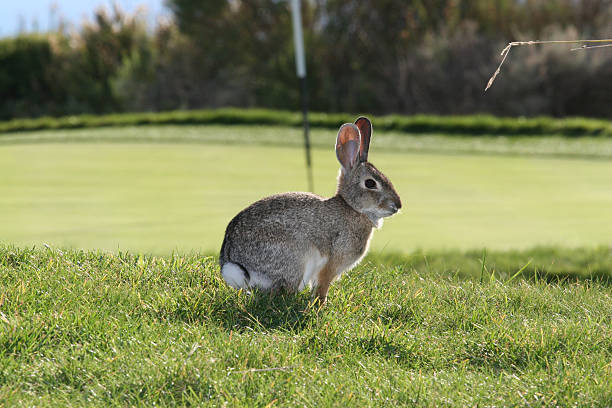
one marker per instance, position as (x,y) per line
(147,327)
(159,197)
(92,329)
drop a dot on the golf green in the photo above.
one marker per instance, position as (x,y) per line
(160,197)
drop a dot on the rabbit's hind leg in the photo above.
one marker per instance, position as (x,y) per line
(325,278)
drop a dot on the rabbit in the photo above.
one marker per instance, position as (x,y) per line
(293,240)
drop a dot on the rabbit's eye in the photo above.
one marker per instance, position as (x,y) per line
(369,183)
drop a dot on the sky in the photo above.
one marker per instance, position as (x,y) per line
(39,15)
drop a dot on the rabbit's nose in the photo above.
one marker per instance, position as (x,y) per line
(393,206)
(396,204)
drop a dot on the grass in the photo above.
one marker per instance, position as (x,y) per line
(126,329)
(156,325)
(421,124)
(587,147)
(163,196)
(551,264)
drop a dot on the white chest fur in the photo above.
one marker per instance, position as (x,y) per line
(313,263)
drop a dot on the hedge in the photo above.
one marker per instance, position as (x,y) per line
(456,125)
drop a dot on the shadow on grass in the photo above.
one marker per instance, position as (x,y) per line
(409,314)
(391,349)
(554,265)
(602,278)
(287,311)
(258,311)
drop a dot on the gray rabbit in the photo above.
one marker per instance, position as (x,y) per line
(293,240)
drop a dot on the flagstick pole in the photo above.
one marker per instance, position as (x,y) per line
(300,67)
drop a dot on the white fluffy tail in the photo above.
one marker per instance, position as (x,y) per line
(235,276)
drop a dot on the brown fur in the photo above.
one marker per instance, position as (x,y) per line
(277,239)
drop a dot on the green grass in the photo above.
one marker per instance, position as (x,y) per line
(587,147)
(157,197)
(96,329)
(421,124)
(529,326)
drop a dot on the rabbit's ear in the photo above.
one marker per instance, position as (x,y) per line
(365,129)
(347,145)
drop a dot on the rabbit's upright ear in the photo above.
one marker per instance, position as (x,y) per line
(365,129)
(347,145)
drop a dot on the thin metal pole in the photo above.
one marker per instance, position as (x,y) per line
(304,92)
(300,68)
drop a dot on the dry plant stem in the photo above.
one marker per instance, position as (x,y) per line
(588,47)
(507,48)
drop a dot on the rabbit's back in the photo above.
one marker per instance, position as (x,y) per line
(279,238)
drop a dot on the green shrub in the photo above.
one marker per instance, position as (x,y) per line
(24,84)
(426,124)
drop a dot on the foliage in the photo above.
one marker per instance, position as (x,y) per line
(23,78)
(383,57)
(133,329)
(67,73)
(436,56)
(418,124)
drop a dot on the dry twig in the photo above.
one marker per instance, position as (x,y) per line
(584,46)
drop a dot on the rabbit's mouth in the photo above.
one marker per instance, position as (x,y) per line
(384,209)
(377,214)
(390,212)
(388,209)
(394,208)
